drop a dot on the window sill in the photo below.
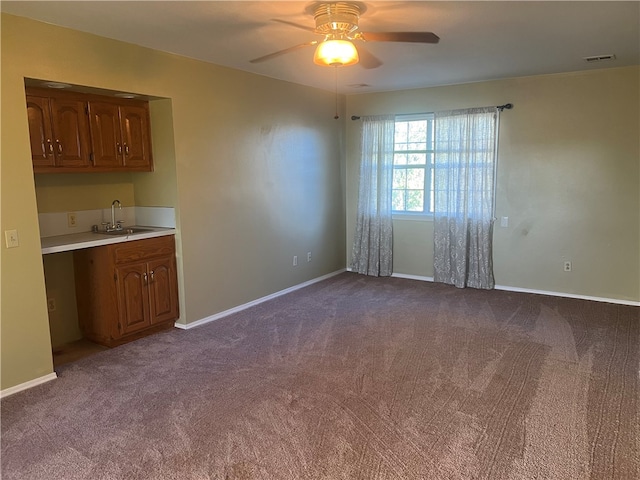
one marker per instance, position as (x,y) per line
(413,217)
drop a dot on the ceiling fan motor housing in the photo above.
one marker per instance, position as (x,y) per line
(338,18)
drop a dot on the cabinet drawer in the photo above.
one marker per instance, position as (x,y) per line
(137,250)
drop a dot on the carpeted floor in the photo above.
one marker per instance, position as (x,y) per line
(350,378)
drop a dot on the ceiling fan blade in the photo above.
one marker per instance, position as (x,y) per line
(367,59)
(409,37)
(297,25)
(282,52)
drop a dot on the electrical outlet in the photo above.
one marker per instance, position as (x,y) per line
(567,266)
(295,260)
(11,238)
(71,219)
(308,256)
(51,304)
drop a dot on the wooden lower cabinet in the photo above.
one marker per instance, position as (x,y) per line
(127,290)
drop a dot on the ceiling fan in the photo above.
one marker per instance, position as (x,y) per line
(337,22)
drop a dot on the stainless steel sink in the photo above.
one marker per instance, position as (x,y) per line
(125,231)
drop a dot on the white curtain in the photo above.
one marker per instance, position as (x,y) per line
(464,186)
(372,246)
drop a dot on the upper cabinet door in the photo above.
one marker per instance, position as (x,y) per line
(135,136)
(104,120)
(70,128)
(39,114)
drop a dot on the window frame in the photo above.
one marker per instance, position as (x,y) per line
(426,214)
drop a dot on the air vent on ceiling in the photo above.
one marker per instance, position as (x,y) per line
(359,85)
(599,58)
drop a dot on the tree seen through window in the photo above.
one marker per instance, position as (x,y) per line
(413,164)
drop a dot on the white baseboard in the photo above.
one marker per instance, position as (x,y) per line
(404,275)
(568,295)
(244,306)
(412,277)
(26,385)
(536,292)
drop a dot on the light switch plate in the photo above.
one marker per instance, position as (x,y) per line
(11,238)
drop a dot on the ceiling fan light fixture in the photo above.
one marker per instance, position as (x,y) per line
(336,53)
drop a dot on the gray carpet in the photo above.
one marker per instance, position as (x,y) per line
(350,378)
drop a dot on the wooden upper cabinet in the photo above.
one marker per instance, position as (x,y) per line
(135,136)
(74,132)
(120,135)
(59,132)
(39,113)
(71,129)
(105,134)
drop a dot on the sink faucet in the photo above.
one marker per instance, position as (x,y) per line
(115,225)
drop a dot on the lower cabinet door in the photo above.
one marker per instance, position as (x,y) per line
(163,290)
(133,298)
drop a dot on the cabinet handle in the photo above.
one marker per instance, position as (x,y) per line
(119,147)
(59,146)
(144,275)
(50,146)
(126,149)
(152,279)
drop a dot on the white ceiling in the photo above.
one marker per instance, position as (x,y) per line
(479,40)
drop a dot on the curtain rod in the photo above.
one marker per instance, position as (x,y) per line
(506,106)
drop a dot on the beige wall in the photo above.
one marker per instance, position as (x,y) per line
(159,189)
(568,179)
(60,286)
(82,191)
(258,178)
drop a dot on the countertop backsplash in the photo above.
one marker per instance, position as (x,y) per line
(57,223)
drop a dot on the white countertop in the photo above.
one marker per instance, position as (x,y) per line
(76,241)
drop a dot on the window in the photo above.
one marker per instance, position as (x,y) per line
(413,164)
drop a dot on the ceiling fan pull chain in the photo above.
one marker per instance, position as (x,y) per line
(335,69)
